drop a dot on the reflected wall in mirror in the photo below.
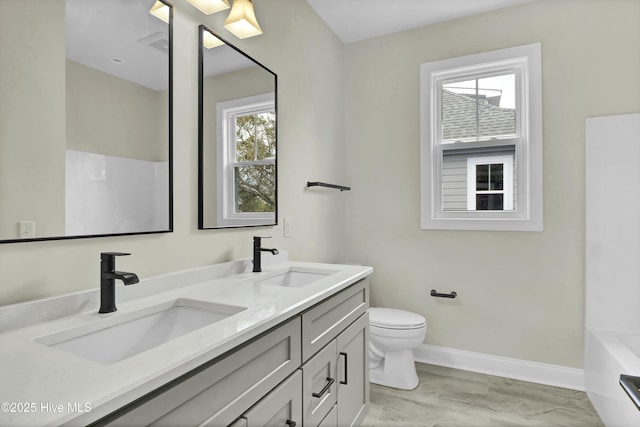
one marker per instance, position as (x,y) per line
(237,137)
(85,119)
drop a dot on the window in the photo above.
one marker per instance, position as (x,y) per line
(246,160)
(481,141)
(490,183)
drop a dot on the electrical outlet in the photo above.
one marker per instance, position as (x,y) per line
(27,229)
(286,226)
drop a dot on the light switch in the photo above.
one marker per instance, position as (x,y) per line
(286,226)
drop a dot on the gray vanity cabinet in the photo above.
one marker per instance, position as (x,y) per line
(311,370)
(340,327)
(335,387)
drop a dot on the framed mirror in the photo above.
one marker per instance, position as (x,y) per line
(85,119)
(237,137)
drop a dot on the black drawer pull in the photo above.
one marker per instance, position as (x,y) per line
(290,423)
(346,363)
(325,388)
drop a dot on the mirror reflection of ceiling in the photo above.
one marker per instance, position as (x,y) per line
(119,37)
(224,59)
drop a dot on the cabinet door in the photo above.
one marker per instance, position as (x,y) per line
(353,372)
(319,385)
(281,407)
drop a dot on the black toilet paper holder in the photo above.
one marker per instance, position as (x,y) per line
(439,295)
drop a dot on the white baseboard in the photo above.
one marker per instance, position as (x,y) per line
(542,373)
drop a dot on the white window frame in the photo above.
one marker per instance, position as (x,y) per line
(226,113)
(526,62)
(507,180)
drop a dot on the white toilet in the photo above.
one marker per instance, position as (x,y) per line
(393,334)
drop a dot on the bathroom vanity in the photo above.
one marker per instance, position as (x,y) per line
(287,346)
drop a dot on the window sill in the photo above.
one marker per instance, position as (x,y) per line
(482,224)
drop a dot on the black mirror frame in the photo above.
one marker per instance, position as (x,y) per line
(170,146)
(201,226)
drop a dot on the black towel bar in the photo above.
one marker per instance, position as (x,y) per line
(324,184)
(439,295)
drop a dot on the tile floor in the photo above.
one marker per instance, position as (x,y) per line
(452,398)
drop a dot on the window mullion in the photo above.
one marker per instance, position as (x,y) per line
(255,135)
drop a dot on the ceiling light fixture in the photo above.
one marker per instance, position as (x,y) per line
(241,21)
(209,41)
(210,6)
(160,10)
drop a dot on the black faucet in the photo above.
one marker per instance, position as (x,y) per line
(108,274)
(257,250)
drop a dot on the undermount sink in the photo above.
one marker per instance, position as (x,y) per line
(295,277)
(114,339)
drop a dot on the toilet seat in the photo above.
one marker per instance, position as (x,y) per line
(391,318)
(398,334)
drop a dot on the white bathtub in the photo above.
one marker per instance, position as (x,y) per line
(609,354)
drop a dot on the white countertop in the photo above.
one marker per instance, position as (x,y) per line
(57,387)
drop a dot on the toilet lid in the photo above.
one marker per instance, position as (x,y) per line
(395,319)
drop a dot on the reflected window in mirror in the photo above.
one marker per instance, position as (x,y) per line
(246,161)
(237,138)
(86,119)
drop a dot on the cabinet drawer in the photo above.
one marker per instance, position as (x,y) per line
(331,420)
(319,385)
(281,407)
(240,422)
(220,391)
(326,320)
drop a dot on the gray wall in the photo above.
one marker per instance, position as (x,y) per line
(521,294)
